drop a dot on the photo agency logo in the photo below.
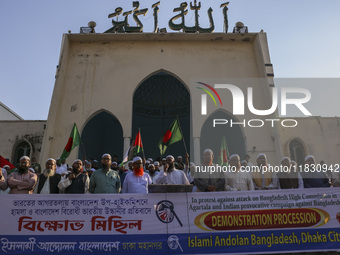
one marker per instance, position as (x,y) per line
(238,108)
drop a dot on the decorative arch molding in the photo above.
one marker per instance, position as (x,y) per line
(21,148)
(297,150)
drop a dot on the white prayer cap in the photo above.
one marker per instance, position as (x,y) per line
(285,158)
(244,161)
(106,154)
(163,159)
(179,157)
(308,157)
(147,162)
(208,151)
(136,159)
(114,162)
(151,165)
(192,164)
(51,159)
(156,163)
(6,166)
(234,155)
(170,156)
(150,159)
(25,157)
(261,154)
(77,161)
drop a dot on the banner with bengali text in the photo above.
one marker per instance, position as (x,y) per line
(172,223)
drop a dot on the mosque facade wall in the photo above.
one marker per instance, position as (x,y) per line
(27,134)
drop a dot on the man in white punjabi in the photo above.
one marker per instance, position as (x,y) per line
(236,179)
(138,181)
(206,182)
(23,181)
(105,180)
(152,172)
(289,178)
(170,175)
(262,177)
(48,179)
(311,177)
(76,182)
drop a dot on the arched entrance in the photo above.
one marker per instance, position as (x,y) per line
(211,137)
(22,149)
(297,152)
(156,103)
(102,134)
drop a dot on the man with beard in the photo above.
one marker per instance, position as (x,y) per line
(122,174)
(89,169)
(22,181)
(105,180)
(237,180)
(289,178)
(263,178)
(48,179)
(311,177)
(75,182)
(170,175)
(152,172)
(138,181)
(206,182)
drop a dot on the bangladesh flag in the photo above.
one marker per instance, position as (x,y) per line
(73,141)
(134,149)
(172,135)
(224,153)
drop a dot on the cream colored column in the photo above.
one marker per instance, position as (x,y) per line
(197,151)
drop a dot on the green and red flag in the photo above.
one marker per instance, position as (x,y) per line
(73,141)
(4,162)
(172,135)
(224,153)
(135,148)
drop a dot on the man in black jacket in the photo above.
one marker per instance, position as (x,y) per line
(48,179)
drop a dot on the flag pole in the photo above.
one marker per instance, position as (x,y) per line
(180,128)
(142,142)
(82,145)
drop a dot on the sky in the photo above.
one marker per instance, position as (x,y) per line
(302,35)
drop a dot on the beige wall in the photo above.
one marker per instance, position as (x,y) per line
(102,71)
(15,132)
(321,138)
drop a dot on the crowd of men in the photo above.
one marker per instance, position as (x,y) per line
(86,177)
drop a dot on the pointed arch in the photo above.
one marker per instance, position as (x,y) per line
(157,101)
(102,133)
(297,150)
(21,148)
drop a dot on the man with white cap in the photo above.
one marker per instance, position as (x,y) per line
(206,182)
(170,175)
(48,179)
(289,178)
(76,182)
(137,181)
(180,163)
(105,180)
(263,178)
(23,181)
(311,177)
(237,180)
(156,164)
